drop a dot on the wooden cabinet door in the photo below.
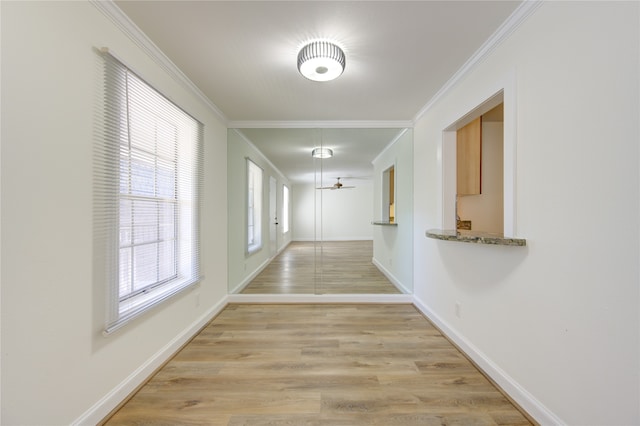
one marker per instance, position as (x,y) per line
(469,158)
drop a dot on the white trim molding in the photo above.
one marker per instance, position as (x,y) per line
(245,282)
(512,388)
(390,144)
(321,298)
(255,148)
(131,30)
(344,238)
(319,124)
(117,395)
(528,402)
(520,15)
(394,280)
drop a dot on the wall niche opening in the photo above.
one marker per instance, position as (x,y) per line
(479,170)
(479,173)
(388,195)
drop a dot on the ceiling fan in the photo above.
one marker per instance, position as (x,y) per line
(337,185)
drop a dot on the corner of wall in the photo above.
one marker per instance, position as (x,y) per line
(111,401)
(507,384)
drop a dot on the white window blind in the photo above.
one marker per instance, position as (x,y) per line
(147,185)
(254,207)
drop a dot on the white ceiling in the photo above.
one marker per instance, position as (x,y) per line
(353,151)
(242,56)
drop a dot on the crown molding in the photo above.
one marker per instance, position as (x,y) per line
(264,157)
(131,30)
(389,145)
(344,124)
(522,12)
(122,21)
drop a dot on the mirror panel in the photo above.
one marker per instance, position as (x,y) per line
(331,245)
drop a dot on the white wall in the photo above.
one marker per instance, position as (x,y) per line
(559,317)
(393,245)
(342,215)
(557,320)
(56,364)
(243,267)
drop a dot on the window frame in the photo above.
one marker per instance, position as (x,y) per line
(139,166)
(128,159)
(254,199)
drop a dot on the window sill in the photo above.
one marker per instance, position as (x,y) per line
(138,305)
(475,237)
(251,251)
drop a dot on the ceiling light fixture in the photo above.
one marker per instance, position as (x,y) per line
(321,153)
(321,61)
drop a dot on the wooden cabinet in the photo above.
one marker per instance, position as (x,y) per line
(388,195)
(469,158)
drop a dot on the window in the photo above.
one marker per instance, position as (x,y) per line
(254,207)
(147,184)
(285,209)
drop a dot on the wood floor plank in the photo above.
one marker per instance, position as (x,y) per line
(365,419)
(319,365)
(328,267)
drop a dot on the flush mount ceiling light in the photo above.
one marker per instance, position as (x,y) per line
(321,61)
(321,153)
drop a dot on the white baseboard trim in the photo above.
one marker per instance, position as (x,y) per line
(281,249)
(249,278)
(320,298)
(520,395)
(245,282)
(105,405)
(328,240)
(395,281)
(528,402)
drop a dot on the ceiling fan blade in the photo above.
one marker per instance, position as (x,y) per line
(335,187)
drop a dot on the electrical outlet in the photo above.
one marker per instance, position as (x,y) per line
(197,299)
(458,310)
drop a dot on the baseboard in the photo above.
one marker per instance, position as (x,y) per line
(245,282)
(328,240)
(520,396)
(320,298)
(281,249)
(395,281)
(530,404)
(110,401)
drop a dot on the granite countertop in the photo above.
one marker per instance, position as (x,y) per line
(475,237)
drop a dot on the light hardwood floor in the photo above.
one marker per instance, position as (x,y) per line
(330,267)
(319,365)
